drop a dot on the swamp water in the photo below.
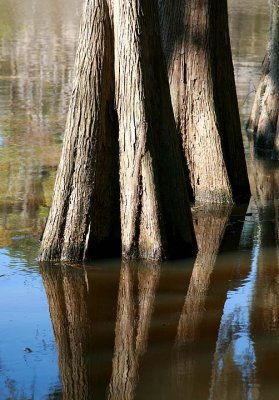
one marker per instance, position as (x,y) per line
(197,329)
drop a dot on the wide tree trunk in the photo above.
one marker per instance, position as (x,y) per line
(263,121)
(155,213)
(196,42)
(84,215)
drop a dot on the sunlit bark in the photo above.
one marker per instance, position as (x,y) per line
(84,213)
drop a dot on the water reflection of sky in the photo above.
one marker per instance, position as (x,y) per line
(234,337)
(1,142)
(23,325)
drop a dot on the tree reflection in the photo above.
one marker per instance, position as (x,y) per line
(234,364)
(37,48)
(265,312)
(132,325)
(82,311)
(81,305)
(210,224)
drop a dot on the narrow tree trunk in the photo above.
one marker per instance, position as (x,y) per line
(83,216)
(155,213)
(196,42)
(263,121)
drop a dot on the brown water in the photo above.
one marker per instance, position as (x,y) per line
(195,329)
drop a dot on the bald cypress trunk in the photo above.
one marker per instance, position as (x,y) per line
(263,121)
(155,214)
(196,42)
(154,208)
(84,215)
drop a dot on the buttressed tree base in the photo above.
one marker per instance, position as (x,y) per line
(119,61)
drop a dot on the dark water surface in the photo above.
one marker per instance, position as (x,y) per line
(197,329)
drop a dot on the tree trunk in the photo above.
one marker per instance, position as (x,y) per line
(196,42)
(155,213)
(84,212)
(263,121)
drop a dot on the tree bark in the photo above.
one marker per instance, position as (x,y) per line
(196,43)
(155,214)
(83,218)
(263,121)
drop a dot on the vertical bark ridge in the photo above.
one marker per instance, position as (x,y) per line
(85,183)
(152,181)
(196,43)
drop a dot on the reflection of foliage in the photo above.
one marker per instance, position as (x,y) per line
(6,20)
(36,56)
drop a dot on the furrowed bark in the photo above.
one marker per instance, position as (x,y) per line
(263,121)
(155,214)
(197,47)
(84,212)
